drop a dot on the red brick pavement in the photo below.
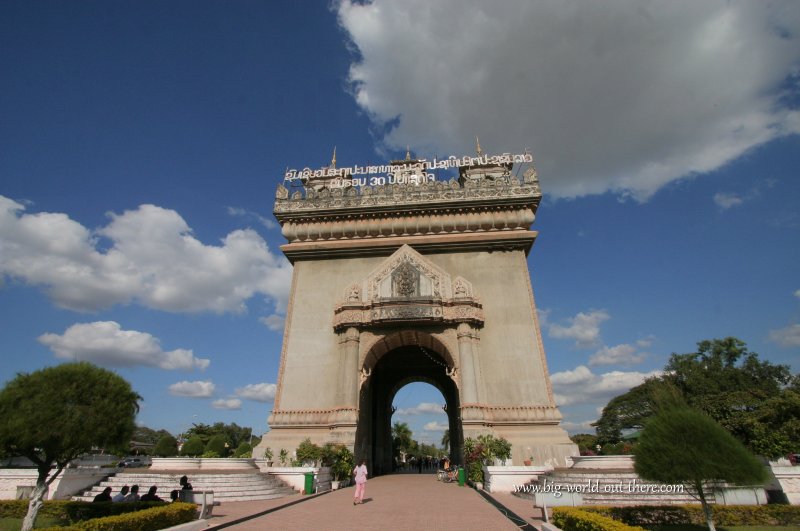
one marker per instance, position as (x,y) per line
(397,502)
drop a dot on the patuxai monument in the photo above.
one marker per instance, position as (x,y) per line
(414,271)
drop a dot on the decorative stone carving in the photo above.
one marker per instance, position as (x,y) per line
(282,192)
(452,372)
(405,281)
(407,287)
(354,293)
(364,375)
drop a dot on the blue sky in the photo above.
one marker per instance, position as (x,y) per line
(141,144)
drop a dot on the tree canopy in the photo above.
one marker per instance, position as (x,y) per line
(167,446)
(682,446)
(233,433)
(193,447)
(53,415)
(756,401)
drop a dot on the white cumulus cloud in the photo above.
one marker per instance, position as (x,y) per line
(726,200)
(260,392)
(153,259)
(582,386)
(623,354)
(423,408)
(584,328)
(786,337)
(227,403)
(106,343)
(621,95)
(196,389)
(274,322)
(435,426)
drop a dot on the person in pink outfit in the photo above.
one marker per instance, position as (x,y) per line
(360,473)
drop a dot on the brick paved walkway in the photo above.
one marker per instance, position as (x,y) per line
(401,502)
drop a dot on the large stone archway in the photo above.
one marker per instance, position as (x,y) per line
(390,370)
(385,274)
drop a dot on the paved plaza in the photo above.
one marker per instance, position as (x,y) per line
(398,501)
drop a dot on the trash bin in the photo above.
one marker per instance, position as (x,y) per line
(309,486)
(462,476)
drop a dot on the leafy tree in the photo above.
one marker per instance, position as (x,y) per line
(587,443)
(628,411)
(680,445)
(143,434)
(754,400)
(53,415)
(233,433)
(219,445)
(402,439)
(193,447)
(167,446)
(446,440)
(243,450)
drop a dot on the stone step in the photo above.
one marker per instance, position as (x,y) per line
(226,487)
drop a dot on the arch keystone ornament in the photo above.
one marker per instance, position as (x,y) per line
(413,279)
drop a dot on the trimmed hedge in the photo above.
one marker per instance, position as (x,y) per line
(724,515)
(574,519)
(152,519)
(76,512)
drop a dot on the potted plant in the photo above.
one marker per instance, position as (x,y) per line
(283,456)
(308,453)
(341,460)
(529,460)
(268,455)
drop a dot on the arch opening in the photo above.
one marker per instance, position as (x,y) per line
(391,370)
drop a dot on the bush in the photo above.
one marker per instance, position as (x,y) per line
(75,512)
(244,450)
(573,519)
(308,452)
(193,447)
(483,451)
(166,446)
(152,519)
(217,444)
(339,458)
(724,515)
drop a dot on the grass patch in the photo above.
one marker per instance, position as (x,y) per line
(14,524)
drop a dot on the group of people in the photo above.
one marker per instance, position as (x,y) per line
(131,494)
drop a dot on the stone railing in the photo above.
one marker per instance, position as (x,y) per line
(203,463)
(435,208)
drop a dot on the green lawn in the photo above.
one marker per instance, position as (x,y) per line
(14,524)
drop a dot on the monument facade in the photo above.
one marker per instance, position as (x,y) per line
(404,275)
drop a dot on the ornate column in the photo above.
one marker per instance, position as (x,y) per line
(350,380)
(469,394)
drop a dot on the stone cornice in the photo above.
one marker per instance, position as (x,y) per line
(434,216)
(438,195)
(481,241)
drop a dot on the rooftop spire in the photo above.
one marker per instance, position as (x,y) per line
(408,152)
(333,160)
(478,149)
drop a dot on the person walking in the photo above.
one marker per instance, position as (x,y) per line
(360,473)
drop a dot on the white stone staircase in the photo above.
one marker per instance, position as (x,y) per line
(246,486)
